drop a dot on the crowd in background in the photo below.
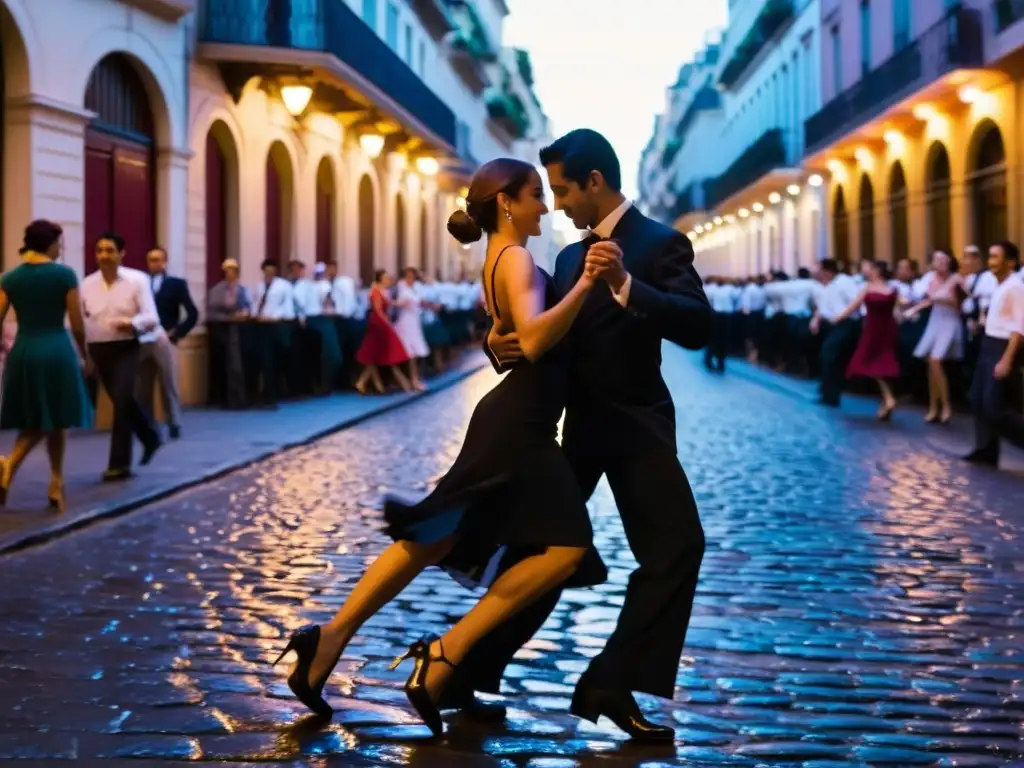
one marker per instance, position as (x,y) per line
(921,336)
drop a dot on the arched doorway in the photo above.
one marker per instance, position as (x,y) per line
(221,200)
(900,240)
(840,229)
(424,239)
(937,183)
(120,178)
(400,244)
(987,177)
(367,218)
(325,211)
(278,223)
(866,214)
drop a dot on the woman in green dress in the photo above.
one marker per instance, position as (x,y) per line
(44,393)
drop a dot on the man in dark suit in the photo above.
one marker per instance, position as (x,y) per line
(159,357)
(620,422)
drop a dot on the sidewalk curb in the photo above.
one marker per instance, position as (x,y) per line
(145,498)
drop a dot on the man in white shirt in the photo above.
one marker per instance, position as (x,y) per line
(835,292)
(719,294)
(118,309)
(995,391)
(315,302)
(752,306)
(275,304)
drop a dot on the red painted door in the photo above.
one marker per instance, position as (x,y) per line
(274,214)
(118,196)
(216,211)
(324,224)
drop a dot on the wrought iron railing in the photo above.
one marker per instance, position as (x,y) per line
(764,155)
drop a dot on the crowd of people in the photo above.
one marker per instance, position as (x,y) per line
(300,334)
(291,336)
(951,334)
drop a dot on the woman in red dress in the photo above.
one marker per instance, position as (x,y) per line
(381,345)
(875,357)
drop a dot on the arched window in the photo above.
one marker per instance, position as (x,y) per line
(937,182)
(987,177)
(866,214)
(325,211)
(840,228)
(900,242)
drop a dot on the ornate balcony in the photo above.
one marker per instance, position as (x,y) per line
(762,157)
(506,109)
(468,44)
(435,17)
(1006,13)
(955,42)
(772,16)
(257,37)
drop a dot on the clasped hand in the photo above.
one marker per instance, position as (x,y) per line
(604,262)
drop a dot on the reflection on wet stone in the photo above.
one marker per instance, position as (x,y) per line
(861,604)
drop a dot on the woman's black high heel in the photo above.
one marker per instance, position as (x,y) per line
(416,686)
(304,642)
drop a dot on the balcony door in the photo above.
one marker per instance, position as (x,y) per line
(325,211)
(401,247)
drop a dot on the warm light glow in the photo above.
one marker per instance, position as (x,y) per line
(757,207)
(835,166)
(691,234)
(460,202)
(815,180)
(372,144)
(401,161)
(464,191)
(793,189)
(718,221)
(924,112)
(428,166)
(699,229)
(774,198)
(863,154)
(709,225)
(296,98)
(729,218)
(969,94)
(743,212)
(892,136)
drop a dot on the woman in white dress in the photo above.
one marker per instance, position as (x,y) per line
(409,325)
(943,337)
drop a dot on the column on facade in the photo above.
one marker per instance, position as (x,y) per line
(36,127)
(392,175)
(172,171)
(413,219)
(434,223)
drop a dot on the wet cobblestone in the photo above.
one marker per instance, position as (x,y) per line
(860,605)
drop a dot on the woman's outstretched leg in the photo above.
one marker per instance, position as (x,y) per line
(388,575)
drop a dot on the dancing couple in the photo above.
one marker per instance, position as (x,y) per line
(511,513)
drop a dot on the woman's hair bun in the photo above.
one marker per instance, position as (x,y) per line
(464,228)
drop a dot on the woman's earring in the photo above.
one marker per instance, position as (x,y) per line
(508,215)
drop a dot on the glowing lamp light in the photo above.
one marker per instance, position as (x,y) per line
(691,234)
(460,202)
(835,166)
(296,98)
(892,136)
(709,225)
(815,180)
(372,144)
(863,154)
(793,189)
(428,166)
(924,112)
(718,221)
(743,212)
(757,207)
(699,229)
(774,198)
(729,218)
(969,94)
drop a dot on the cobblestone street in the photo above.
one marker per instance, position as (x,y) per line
(861,603)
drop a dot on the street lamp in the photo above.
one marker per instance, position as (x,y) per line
(758,207)
(296,98)
(428,166)
(372,144)
(774,198)
(815,180)
(793,189)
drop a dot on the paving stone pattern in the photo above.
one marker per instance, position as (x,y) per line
(861,604)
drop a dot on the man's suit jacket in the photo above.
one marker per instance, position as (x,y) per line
(173,298)
(618,400)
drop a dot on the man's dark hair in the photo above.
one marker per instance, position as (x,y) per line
(830,266)
(803,273)
(270,263)
(1010,251)
(113,237)
(582,151)
(163,251)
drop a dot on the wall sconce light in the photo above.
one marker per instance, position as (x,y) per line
(793,189)
(691,234)
(718,221)
(709,225)
(729,218)
(774,198)
(699,229)
(743,212)
(464,192)
(863,154)
(924,112)
(428,166)
(296,98)
(969,94)
(757,207)
(460,202)
(815,180)
(372,144)
(892,136)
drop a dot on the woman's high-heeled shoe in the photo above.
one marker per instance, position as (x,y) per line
(5,479)
(416,685)
(885,413)
(304,642)
(55,495)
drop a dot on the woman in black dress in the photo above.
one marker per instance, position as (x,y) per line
(509,514)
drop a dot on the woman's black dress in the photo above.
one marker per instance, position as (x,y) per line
(511,492)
